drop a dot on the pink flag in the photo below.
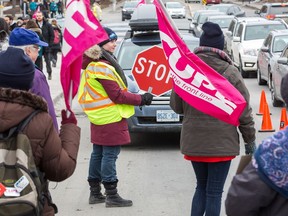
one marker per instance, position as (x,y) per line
(82,30)
(194,81)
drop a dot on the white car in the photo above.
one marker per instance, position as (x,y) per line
(175,9)
(247,41)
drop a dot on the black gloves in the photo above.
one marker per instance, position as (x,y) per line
(146,99)
(250,148)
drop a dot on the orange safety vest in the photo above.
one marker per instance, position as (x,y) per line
(93,98)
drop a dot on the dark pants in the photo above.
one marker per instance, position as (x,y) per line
(47,59)
(211,178)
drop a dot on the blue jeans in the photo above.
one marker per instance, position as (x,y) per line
(102,165)
(211,178)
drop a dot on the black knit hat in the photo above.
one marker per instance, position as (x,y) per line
(16,69)
(212,36)
(111,34)
(284,89)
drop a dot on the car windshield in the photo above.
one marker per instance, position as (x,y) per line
(129,52)
(202,18)
(130,4)
(219,8)
(222,22)
(174,5)
(279,9)
(255,32)
(279,43)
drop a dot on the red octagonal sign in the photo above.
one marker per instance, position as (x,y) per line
(151,71)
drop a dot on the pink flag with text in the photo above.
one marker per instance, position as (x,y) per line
(141,2)
(82,30)
(194,81)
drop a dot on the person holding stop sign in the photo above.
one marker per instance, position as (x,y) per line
(104,97)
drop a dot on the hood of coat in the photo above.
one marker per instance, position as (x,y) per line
(15,105)
(94,52)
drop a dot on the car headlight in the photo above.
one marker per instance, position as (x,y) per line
(251,52)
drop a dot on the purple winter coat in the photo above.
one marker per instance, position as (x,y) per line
(40,87)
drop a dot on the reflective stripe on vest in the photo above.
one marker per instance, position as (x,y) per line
(93,98)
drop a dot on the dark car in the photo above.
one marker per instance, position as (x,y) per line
(273,11)
(229,9)
(144,34)
(128,9)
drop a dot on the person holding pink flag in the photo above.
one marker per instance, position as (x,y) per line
(209,143)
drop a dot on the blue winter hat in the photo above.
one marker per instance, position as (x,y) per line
(22,37)
(111,34)
(212,36)
(271,159)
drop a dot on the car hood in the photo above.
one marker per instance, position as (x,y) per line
(253,44)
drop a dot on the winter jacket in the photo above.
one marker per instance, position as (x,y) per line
(40,87)
(55,154)
(204,135)
(48,34)
(114,133)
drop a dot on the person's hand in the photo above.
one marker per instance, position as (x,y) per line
(250,148)
(146,99)
(71,119)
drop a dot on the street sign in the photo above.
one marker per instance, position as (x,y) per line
(151,71)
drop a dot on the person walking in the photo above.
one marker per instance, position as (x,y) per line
(262,187)
(55,154)
(4,34)
(57,42)
(31,44)
(10,21)
(48,35)
(25,8)
(32,6)
(53,8)
(211,144)
(60,8)
(104,98)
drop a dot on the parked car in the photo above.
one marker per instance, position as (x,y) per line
(279,70)
(247,42)
(229,9)
(209,2)
(128,9)
(195,26)
(274,10)
(268,54)
(222,20)
(141,37)
(175,9)
(188,1)
(232,29)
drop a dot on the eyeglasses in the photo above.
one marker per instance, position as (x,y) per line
(36,47)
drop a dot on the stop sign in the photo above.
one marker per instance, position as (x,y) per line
(151,71)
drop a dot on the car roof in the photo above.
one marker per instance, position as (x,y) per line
(279,31)
(220,16)
(221,5)
(264,22)
(276,4)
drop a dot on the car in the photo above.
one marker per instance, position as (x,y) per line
(222,20)
(175,9)
(140,37)
(279,70)
(247,42)
(232,29)
(188,1)
(268,54)
(229,9)
(194,18)
(273,11)
(209,2)
(128,9)
(195,26)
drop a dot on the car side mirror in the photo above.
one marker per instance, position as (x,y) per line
(236,39)
(282,60)
(229,34)
(264,49)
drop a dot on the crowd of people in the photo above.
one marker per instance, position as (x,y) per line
(260,189)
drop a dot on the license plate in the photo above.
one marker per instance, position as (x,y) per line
(167,116)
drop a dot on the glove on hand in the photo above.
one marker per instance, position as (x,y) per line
(71,119)
(146,99)
(250,148)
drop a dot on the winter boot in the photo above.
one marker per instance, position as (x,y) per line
(95,193)
(112,197)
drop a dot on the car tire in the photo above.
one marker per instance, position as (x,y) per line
(244,74)
(275,101)
(259,79)
(123,19)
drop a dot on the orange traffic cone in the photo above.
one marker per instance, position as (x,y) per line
(283,119)
(263,101)
(266,120)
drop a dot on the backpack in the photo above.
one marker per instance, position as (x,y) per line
(21,189)
(56,36)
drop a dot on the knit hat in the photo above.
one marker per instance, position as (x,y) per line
(16,69)
(284,88)
(212,36)
(111,34)
(22,37)
(270,160)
